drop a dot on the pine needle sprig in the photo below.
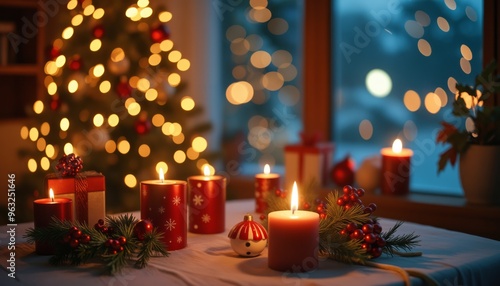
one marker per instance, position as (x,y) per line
(395,243)
(151,246)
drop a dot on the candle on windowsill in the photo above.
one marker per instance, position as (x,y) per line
(44,210)
(293,238)
(207,203)
(163,202)
(395,171)
(265,183)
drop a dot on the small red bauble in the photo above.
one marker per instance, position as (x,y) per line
(142,228)
(159,33)
(75,63)
(142,126)
(343,172)
(123,88)
(98,31)
(55,102)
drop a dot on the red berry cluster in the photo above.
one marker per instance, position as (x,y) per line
(369,232)
(352,197)
(115,245)
(100,226)
(75,237)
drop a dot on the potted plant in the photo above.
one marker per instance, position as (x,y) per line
(477,142)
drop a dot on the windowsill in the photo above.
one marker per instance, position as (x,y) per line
(447,212)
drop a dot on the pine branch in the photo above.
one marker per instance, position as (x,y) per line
(394,243)
(152,246)
(120,227)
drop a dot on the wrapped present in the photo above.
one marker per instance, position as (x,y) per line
(308,163)
(86,189)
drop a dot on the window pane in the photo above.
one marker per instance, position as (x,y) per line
(261,64)
(395,66)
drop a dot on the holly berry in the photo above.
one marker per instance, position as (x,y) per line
(67,237)
(367,228)
(76,233)
(74,243)
(85,238)
(115,244)
(376,252)
(122,240)
(262,217)
(100,222)
(108,242)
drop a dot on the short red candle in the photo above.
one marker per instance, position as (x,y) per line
(163,202)
(293,239)
(44,210)
(265,183)
(396,169)
(207,203)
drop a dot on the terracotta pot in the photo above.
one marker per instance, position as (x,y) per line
(480,174)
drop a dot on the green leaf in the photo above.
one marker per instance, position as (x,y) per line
(460,108)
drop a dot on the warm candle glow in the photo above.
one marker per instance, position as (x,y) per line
(206,170)
(295,198)
(51,194)
(162,177)
(267,169)
(397,146)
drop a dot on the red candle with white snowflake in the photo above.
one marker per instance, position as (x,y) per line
(207,203)
(265,183)
(163,202)
(395,177)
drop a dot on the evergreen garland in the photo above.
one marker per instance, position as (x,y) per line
(120,228)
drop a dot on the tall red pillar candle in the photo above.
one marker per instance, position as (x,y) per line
(163,202)
(44,210)
(293,238)
(207,203)
(395,176)
(265,183)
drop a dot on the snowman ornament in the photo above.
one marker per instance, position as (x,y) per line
(248,238)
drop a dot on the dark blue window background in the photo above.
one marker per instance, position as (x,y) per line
(423,47)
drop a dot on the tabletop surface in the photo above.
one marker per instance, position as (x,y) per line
(450,258)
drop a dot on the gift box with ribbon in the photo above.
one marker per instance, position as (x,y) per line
(308,163)
(86,189)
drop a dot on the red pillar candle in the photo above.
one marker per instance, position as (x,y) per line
(396,169)
(264,183)
(293,238)
(44,210)
(207,203)
(163,202)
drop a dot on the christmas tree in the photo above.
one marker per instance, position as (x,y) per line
(115,98)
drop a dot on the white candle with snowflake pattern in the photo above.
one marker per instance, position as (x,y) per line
(163,202)
(207,203)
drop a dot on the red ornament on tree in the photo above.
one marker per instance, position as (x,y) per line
(55,102)
(159,33)
(343,172)
(98,31)
(142,228)
(75,64)
(53,53)
(123,88)
(142,126)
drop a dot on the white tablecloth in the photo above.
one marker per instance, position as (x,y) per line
(451,258)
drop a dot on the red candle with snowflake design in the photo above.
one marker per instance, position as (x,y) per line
(207,203)
(163,202)
(265,183)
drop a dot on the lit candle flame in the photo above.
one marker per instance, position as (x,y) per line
(397,146)
(295,198)
(267,169)
(51,194)
(162,177)
(206,170)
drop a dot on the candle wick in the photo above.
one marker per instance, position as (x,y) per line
(52,199)
(293,210)
(162,180)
